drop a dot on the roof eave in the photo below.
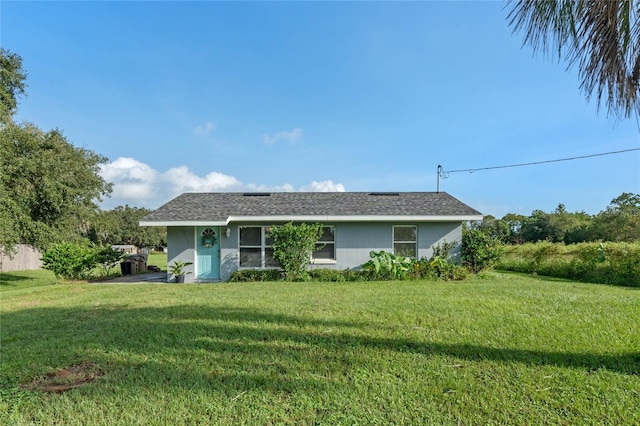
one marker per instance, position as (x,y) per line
(316,218)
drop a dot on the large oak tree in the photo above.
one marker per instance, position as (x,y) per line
(49,188)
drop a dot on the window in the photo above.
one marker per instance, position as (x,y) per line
(255,247)
(405,241)
(326,245)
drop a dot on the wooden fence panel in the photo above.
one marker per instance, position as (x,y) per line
(26,258)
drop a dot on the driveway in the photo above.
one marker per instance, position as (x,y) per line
(152,277)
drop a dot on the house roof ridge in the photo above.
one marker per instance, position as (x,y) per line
(218,207)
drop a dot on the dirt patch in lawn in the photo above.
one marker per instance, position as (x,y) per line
(65,379)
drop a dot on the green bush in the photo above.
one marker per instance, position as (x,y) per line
(106,258)
(388,266)
(605,263)
(479,250)
(70,260)
(438,268)
(292,248)
(334,275)
(385,266)
(256,275)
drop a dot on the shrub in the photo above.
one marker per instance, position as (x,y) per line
(387,265)
(347,275)
(610,263)
(292,247)
(70,260)
(106,258)
(256,275)
(479,250)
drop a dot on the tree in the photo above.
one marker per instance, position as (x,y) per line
(120,226)
(495,228)
(12,84)
(621,219)
(514,221)
(540,227)
(49,188)
(601,37)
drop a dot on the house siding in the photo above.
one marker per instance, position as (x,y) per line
(181,246)
(432,234)
(354,242)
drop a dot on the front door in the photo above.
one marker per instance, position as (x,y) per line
(208,252)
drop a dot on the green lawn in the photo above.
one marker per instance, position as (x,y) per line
(158,259)
(504,349)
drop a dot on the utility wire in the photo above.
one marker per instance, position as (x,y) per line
(445,174)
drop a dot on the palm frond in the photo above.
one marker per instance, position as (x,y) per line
(601,37)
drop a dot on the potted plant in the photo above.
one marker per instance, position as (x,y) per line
(177,269)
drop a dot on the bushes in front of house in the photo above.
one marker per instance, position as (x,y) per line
(382,266)
(320,275)
(256,275)
(604,263)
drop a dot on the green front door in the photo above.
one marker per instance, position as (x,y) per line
(208,252)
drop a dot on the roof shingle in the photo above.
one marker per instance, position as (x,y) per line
(220,206)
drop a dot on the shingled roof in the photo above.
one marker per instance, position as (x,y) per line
(221,208)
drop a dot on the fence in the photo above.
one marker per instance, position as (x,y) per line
(25,258)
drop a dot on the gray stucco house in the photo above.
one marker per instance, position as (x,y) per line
(226,231)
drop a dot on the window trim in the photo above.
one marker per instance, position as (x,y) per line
(263,247)
(393,239)
(315,261)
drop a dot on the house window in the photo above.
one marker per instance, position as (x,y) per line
(326,245)
(405,240)
(255,247)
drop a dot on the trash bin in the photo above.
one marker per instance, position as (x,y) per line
(125,267)
(133,260)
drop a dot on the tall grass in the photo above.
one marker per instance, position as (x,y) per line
(606,263)
(503,349)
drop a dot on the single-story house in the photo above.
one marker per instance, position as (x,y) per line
(226,231)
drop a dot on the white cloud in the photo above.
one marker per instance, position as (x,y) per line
(324,186)
(138,184)
(205,129)
(290,136)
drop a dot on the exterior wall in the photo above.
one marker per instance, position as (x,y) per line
(353,243)
(229,257)
(181,246)
(25,258)
(431,234)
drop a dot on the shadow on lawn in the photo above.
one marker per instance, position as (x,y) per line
(7,279)
(234,350)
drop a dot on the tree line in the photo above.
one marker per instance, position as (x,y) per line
(618,222)
(49,188)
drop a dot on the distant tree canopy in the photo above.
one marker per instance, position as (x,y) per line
(120,226)
(49,188)
(620,221)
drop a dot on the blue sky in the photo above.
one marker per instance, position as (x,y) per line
(355,96)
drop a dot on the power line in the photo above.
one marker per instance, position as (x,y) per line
(445,173)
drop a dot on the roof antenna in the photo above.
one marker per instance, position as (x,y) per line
(439,172)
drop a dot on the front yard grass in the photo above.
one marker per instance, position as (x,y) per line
(503,349)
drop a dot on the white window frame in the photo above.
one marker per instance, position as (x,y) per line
(394,242)
(317,261)
(263,247)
